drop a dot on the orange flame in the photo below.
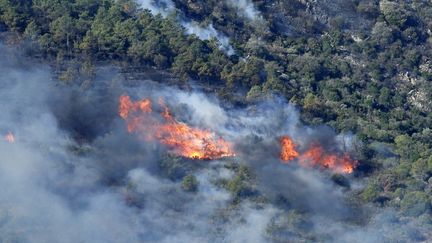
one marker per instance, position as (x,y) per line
(288,151)
(182,139)
(9,137)
(316,156)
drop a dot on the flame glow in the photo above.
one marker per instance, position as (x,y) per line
(288,151)
(316,156)
(9,137)
(182,139)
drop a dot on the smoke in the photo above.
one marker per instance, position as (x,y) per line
(325,208)
(111,188)
(207,33)
(246,8)
(205,111)
(74,173)
(167,7)
(49,195)
(163,7)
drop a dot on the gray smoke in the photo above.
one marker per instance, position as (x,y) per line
(75,175)
(109,189)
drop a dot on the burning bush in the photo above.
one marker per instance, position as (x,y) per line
(316,156)
(182,139)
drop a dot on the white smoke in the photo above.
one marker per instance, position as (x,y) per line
(246,8)
(163,7)
(208,33)
(254,226)
(166,7)
(55,189)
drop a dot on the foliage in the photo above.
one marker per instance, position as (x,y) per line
(371,76)
(415,203)
(189,183)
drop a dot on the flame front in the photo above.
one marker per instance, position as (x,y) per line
(9,137)
(288,149)
(182,139)
(316,156)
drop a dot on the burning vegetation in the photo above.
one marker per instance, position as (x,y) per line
(182,139)
(203,144)
(288,151)
(316,156)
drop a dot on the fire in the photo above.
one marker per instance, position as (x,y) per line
(9,137)
(288,149)
(182,139)
(316,156)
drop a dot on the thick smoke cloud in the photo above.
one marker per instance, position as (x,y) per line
(109,189)
(255,132)
(75,175)
(49,195)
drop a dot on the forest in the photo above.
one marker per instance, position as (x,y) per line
(360,68)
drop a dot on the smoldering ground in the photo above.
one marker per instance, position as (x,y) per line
(74,174)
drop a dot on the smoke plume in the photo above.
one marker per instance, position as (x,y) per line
(167,7)
(75,174)
(163,7)
(246,8)
(207,33)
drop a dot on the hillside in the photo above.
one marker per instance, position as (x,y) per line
(347,79)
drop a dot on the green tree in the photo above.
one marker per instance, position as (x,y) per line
(32,31)
(190,183)
(15,13)
(371,193)
(415,203)
(63,32)
(406,147)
